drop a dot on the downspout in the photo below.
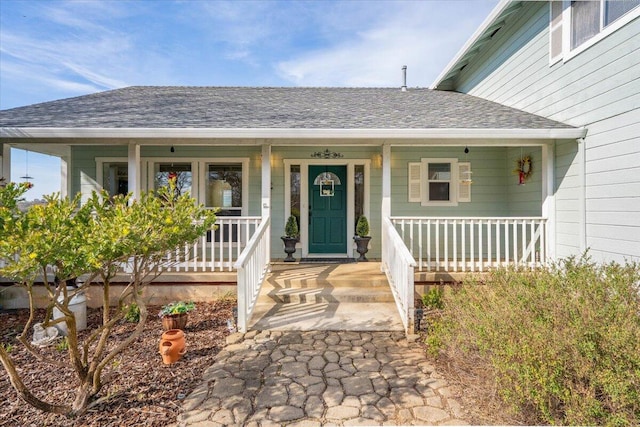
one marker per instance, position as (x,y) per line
(582,196)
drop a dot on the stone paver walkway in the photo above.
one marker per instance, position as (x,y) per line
(321,378)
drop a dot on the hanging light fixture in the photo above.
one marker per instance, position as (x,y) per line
(466,172)
(26,176)
(173,149)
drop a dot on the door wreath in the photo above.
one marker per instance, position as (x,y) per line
(524,168)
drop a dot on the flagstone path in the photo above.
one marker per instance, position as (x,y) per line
(318,378)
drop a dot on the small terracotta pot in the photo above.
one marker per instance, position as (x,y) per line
(172,346)
(175,321)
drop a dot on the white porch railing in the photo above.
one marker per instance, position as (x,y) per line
(398,265)
(473,243)
(218,249)
(252,267)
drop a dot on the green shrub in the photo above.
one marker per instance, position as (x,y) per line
(132,313)
(63,345)
(563,343)
(291,227)
(434,298)
(362,227)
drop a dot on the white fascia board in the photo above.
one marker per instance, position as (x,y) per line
(489,21)
(297,134)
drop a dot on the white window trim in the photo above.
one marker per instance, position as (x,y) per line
(244,161)
(100,161)
(453,183)
(148,178)
(567,52)
(198,168)
(304,195)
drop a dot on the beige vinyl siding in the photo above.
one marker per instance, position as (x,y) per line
(599,89)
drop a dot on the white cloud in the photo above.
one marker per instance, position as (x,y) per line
(422,35)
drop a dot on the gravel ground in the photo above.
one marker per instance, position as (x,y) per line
(143,390)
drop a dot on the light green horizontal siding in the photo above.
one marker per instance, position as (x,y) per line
(494,191)
(598,88)
(83,164)
(279,154)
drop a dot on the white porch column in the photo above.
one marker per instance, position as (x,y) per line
(386,196)
(5,162)
(134,170)
(549,198)
(386,181)
(266,180)
(65,168)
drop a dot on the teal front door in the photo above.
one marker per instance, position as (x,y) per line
(327,209)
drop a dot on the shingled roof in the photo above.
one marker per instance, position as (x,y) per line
(273,108)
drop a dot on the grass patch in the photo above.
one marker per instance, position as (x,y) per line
(562,345)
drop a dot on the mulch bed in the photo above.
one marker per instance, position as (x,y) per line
(143,390)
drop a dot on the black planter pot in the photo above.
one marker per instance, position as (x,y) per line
(362,246)
(289,247)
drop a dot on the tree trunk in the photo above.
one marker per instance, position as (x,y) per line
(84,393)
(23,392)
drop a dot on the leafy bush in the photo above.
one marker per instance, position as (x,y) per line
(563,343)
(362,227)
(177,307)
(132,313)
(291,227)
(434,298)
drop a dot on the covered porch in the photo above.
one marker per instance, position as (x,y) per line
(432,171)
(411,237)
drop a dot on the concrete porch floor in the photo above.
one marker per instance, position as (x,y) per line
(331,297)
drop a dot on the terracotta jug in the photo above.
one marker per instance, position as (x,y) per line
(172,346)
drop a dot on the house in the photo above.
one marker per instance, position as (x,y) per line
(577,62)
(494,165)
(434,168)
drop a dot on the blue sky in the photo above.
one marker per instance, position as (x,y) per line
(59,49)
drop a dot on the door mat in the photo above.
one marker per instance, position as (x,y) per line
(327,260)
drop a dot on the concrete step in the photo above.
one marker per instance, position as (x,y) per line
(351,297)
(326,294)
(336,275)
(327,316)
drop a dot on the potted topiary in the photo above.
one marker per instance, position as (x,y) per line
(176,314)
(362,237)
(290,238)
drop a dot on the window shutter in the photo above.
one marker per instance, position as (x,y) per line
(464,182)
(555,32)
(414,180)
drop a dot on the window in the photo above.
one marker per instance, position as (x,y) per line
(613,10)
(181,172)
(115,178)
(295,191)
(439,182)
(358,191)
(587,21)
(224,188)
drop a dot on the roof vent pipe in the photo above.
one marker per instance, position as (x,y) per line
(404,78)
